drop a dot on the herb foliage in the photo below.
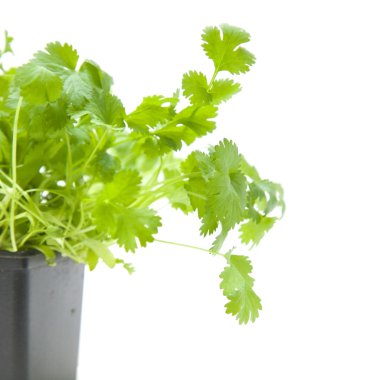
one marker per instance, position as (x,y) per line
(79,174)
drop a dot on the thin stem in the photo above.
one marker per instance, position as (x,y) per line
(100,141)
(14,176)
(216,71)
(69,165)
(189,246)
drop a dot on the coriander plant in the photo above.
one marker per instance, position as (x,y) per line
(79,174)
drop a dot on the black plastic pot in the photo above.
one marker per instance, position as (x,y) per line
(40,312)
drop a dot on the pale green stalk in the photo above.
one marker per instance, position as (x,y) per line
(14,177)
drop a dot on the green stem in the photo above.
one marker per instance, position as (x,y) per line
(189,246)
(155,193)
(14,176)
(69,164)
(216,71)
(100,141)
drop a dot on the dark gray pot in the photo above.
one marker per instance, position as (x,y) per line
(40,312)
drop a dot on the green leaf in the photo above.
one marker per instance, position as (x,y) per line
(252,232)
(77,89)
(127,266)
(186,126)
(275,195)
(47,121)
(136,225)
(219,241)
(228,187)
(101,250)
(5,147)
(197,119)
(249,170)
(237,287)
(196,88)
(209,221)
(7,44)
(223,89)
(266,196)
(38,84)
(176,192)
(217,188)
(227,198)
(123,189)
(105,166)
(91,259)
(57,55)
(152,111)
(128,225)
(41,80)
(48,253)
(199,169)
(96,75)
(106,108)
(223,47)
(226,156)
(171,137)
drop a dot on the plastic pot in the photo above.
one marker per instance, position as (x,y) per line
(40,312)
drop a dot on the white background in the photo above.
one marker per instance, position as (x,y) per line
(308,118)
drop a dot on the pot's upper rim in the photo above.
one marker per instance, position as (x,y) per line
(21,260)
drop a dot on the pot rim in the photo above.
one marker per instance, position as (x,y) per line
(22,260)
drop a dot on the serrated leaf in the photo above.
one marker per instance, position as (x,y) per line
(223,47)
(266,196)
(153,110)
(275,195)
(123,189)
(198,119)
(223,89)
(136,225)
(38,84)
(209,221)
(127,225)
(77,89)
(186,126)
(195,87)
(106,108)
(172,137)
(57,54)
(199,168)
(96,75)
(228,187)
(105,166)
(252,232)
(46,121)
(226,156)
(199,162)
(219,241)
(237,287)
(227,198)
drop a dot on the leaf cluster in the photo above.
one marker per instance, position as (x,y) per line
(78,173)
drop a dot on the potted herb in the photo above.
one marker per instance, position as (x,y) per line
(79,174)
